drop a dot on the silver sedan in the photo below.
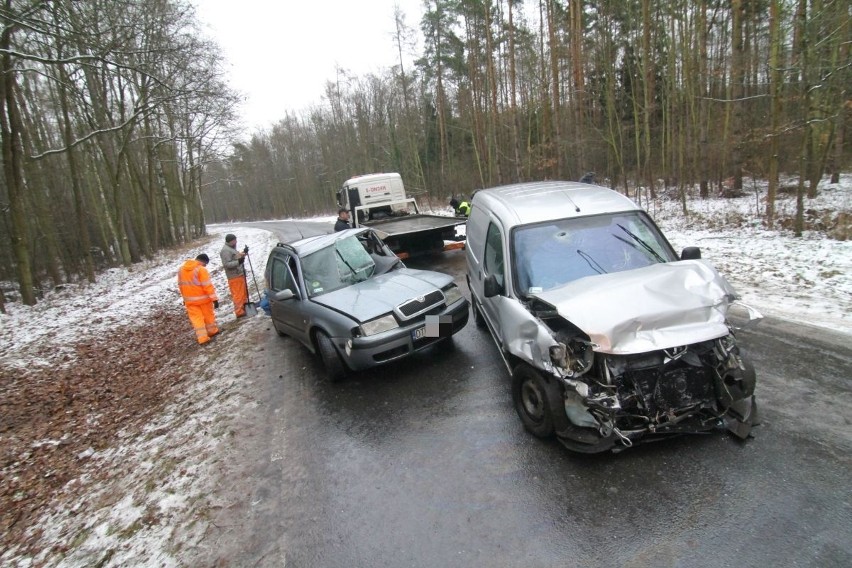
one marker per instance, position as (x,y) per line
(347,297)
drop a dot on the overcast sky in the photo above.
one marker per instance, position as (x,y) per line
(281,52)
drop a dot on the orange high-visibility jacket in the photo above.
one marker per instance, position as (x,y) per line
(195,285)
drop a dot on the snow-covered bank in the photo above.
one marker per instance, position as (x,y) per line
(807,279)
(142,499)
(120,295)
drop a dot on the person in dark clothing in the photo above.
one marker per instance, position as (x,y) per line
(588,178)
(342,220)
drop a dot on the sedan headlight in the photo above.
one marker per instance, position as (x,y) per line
(452,294)
(378,325)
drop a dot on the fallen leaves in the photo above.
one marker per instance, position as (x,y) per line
(56,414)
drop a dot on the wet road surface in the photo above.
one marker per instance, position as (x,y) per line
(425,463)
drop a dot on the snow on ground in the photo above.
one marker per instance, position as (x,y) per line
(171,465)
(120,295)
(163,476)
(807,280)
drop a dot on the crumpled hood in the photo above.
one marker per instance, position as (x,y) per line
(651,308)
(380,295)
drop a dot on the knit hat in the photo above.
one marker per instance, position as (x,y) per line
(203,258)
(229,237)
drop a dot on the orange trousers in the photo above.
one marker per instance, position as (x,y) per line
(239,294)
(203,321)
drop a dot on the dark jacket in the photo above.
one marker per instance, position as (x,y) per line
(341,225)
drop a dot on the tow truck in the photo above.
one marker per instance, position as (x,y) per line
(379,201)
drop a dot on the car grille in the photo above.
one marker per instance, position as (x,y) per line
(414,307)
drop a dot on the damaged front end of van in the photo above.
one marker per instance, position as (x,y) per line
(609,361)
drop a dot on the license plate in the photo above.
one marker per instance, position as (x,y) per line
(418,333)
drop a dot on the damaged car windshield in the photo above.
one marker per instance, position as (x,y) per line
(334,267)
(554,253)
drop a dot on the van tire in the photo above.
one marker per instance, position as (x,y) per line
(532,396)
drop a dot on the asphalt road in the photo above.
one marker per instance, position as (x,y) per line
(425,463)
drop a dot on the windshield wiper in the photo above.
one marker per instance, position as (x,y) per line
(644,245)
(591,261)
(354,272)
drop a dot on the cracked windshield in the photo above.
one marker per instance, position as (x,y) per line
(337,266)
(585,247)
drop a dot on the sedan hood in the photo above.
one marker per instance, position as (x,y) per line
(380,295)
(651,308)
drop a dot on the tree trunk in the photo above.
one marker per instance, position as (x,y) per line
(804,93)
(492,80)
(648,89)
(76,191)
(556,150)
(737,79)
(516,142)
(839,135)
(775,79)
(10,139)
(575,11)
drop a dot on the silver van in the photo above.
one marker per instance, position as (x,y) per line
(611,338)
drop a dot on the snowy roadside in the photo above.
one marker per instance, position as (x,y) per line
(142,500)
(146,499)
(806,280)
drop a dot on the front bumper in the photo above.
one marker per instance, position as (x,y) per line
(365,352)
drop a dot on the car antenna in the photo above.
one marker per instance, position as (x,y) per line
(576,207)
(301,236)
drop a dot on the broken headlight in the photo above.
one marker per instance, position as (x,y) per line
(379,325)
(452,294)
(574,358)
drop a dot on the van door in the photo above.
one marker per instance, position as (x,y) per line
(493,264)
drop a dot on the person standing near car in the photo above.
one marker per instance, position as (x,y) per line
(342,220)
(199,297)
(233,260)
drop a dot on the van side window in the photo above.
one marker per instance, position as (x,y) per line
(494,253)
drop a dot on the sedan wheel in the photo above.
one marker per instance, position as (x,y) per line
(532,403)
(335,370)
(278,331)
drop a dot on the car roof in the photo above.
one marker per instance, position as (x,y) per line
(312,244)
(534,202)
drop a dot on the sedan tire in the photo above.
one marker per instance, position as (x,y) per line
(278,331)
(335,370)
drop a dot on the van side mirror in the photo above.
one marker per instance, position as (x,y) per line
(690,253)
(492,287)
(285,294)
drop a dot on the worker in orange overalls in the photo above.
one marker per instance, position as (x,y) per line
(233,260)
(199,297)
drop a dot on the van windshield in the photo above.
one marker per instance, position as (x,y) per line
(550,254)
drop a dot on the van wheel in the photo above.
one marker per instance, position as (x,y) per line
(335,370)
(531,397)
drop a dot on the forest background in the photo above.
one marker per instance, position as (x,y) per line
(120,135)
